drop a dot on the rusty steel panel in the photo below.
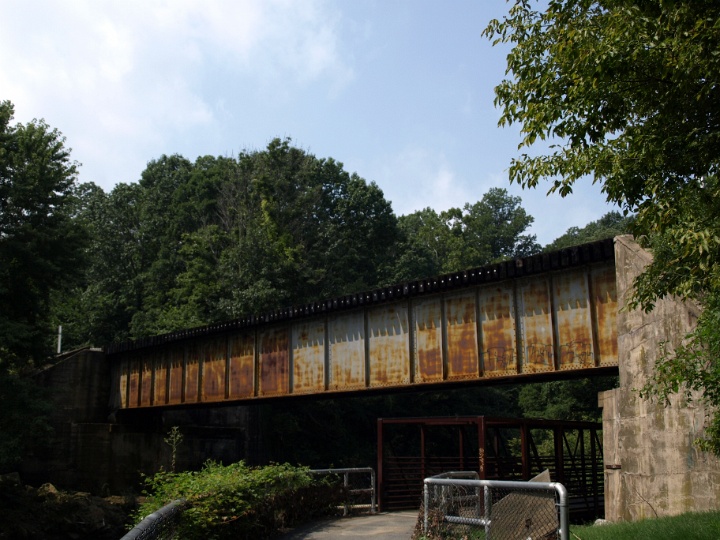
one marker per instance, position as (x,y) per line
(605,310)
(462,339)
(308,350)
(176,363)
(389,345)
(274,360)
(564,320)
(123,383)
(146,380)
(213,369)
(242,366)
(427,318)
(497,323)
(347,351)
(192,373)
(160,380)
(536,327)
(134,383)
(573,318)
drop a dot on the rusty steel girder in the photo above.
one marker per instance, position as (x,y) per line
(541,314)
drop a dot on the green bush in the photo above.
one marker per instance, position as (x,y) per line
(238,502)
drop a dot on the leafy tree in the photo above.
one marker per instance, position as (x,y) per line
(564,400)
(41,248)
(40,245)
(24,423)
(610,225)
(629,94)
(459,238)
(196,243)
(299,229)
(113,293)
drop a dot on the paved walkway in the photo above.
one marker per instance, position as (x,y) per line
(385,526)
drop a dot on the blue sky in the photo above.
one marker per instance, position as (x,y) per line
(400,91)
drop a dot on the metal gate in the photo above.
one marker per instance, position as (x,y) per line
(412,449)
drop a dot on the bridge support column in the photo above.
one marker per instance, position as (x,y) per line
(652,467)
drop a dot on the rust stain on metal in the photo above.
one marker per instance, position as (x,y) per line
(497,322)
(213,376)
(389,345)
(175,362)
(574,327)
(274,362)
(242,366)
(462,337)
(347,351)
(161,375)
(428,341)
(537,331)
(192,373)
(308,347)
(605,306)
(146,381)
(134,397)
(123,382)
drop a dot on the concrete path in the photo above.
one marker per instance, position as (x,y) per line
(385,526)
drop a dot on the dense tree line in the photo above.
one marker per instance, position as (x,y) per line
(223,237)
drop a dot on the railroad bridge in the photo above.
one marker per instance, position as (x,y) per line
(537,315)
(547,316)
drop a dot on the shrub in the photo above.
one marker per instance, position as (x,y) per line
(238,502)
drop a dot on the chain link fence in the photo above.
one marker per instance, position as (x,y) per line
(458,506)
(160,525)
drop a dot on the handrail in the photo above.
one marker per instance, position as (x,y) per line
(157,524)
(346,472)
(488,486)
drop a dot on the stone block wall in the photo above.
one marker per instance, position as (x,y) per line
(651,464)
(94,449)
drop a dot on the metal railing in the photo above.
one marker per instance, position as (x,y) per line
(350,488)
(506,510)
(160,525)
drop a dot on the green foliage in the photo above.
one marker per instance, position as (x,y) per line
(23,420)
(690,526)
(610,225)
(239,502)
(488,231)
(628,93)
(40,245)
(173,440)
(564,400)
(228,237)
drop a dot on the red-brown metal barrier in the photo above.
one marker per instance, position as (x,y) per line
(411,449)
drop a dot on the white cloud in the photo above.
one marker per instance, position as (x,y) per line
(134,74)
(417,178)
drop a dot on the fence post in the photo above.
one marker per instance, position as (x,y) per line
(346,485)
(426,505)
(488,509)
(563,507)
